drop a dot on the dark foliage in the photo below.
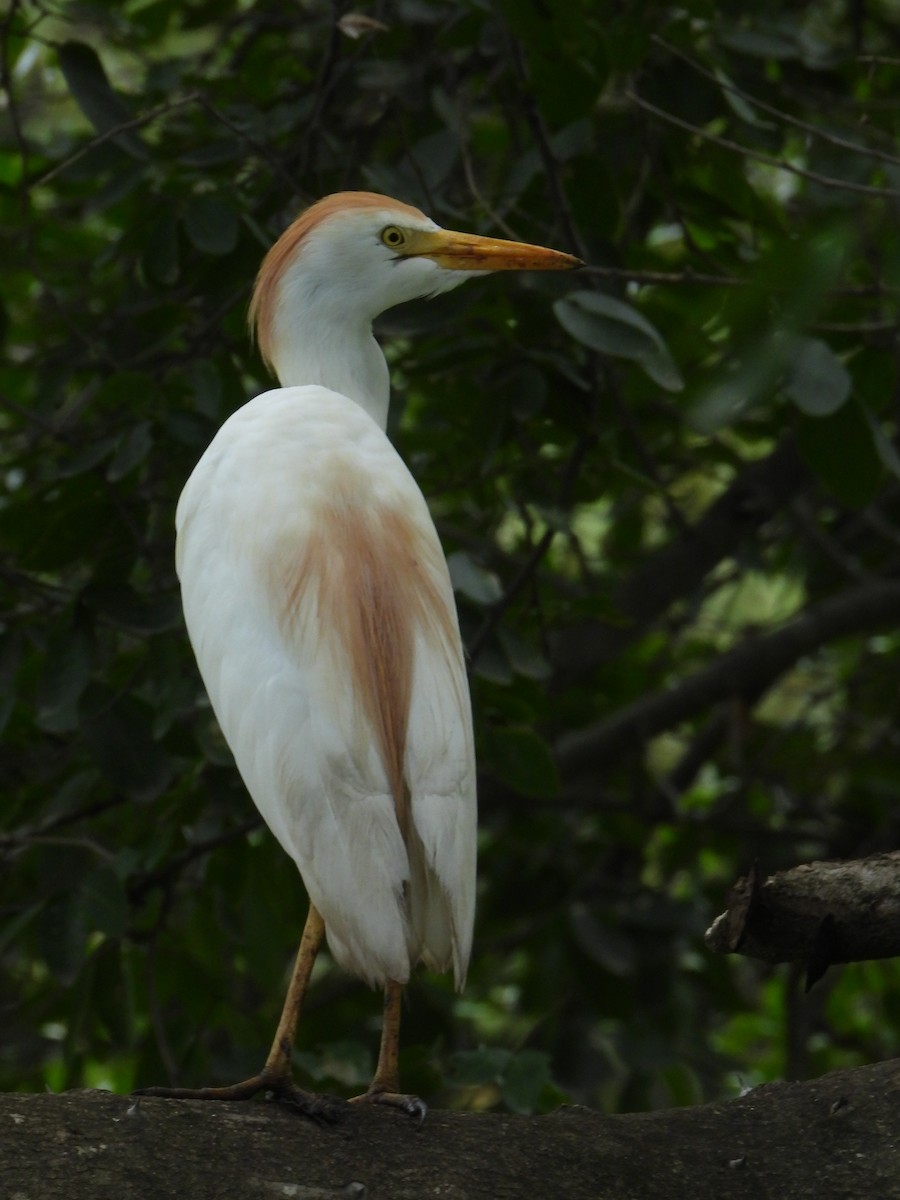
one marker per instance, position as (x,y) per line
(669,489)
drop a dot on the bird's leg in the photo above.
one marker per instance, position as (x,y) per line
(275,1076)
(278,1062)
(385,1085)
(387,1073)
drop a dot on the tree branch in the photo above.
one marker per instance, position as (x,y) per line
(108,134)
(676,569)
(818,914)
(666,278)
(728,85)
(746,671)
(762,1144)
(783,164)
(535,556)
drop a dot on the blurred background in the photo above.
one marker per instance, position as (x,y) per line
(668,487)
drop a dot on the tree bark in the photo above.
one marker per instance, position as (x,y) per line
(818,914)
(831,1139)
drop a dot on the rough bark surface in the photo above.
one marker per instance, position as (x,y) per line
(835,1138)
(818,914)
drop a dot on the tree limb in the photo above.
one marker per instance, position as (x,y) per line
(818,914)
(676,569)
(783,164)
(746,672)
(817,131)
(108,134)
(829,1139)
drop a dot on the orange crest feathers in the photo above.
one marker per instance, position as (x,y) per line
(261,314)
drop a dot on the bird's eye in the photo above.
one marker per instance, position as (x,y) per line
(393,237)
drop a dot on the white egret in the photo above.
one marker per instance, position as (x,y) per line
(319,606)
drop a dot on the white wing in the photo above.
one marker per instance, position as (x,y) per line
(319,606)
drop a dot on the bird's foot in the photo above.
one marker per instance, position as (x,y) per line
(323,1109)
(411,1105)
(280,1087)
(244,1090)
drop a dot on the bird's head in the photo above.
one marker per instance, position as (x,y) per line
(355,254)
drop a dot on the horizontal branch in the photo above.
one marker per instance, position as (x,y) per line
(818,914)
(678,568)
(86,1144)
(744,673)
(783,164)
(686,276)
(689,277)
(108,135)
(728,85)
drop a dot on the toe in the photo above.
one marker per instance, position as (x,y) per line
(413,1106)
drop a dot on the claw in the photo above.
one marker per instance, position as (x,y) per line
(414,1107)
(411,1105)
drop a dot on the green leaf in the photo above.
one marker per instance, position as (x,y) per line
(54,528)
(615,328)
(492,664)
(11,653)
(801,273)
(523,659)
(133,449)
(87,81)
(523,761)
(841,450)
(206,384)
(737,102)
(160,257)
(62,935)
(761,42)
(473,580)
(522,1077)
(817,380)
(433,157)
(484,1065)
(14,927)
(117,731)
(127,389)
(121,604)
(67,671)
(86,459)
(212,224)
(104,902)
(887,449)
(740,387)
(525,1079)
(604,943)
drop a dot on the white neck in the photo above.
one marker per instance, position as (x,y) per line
(315,342)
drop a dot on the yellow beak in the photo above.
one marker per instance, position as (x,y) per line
(469,252)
